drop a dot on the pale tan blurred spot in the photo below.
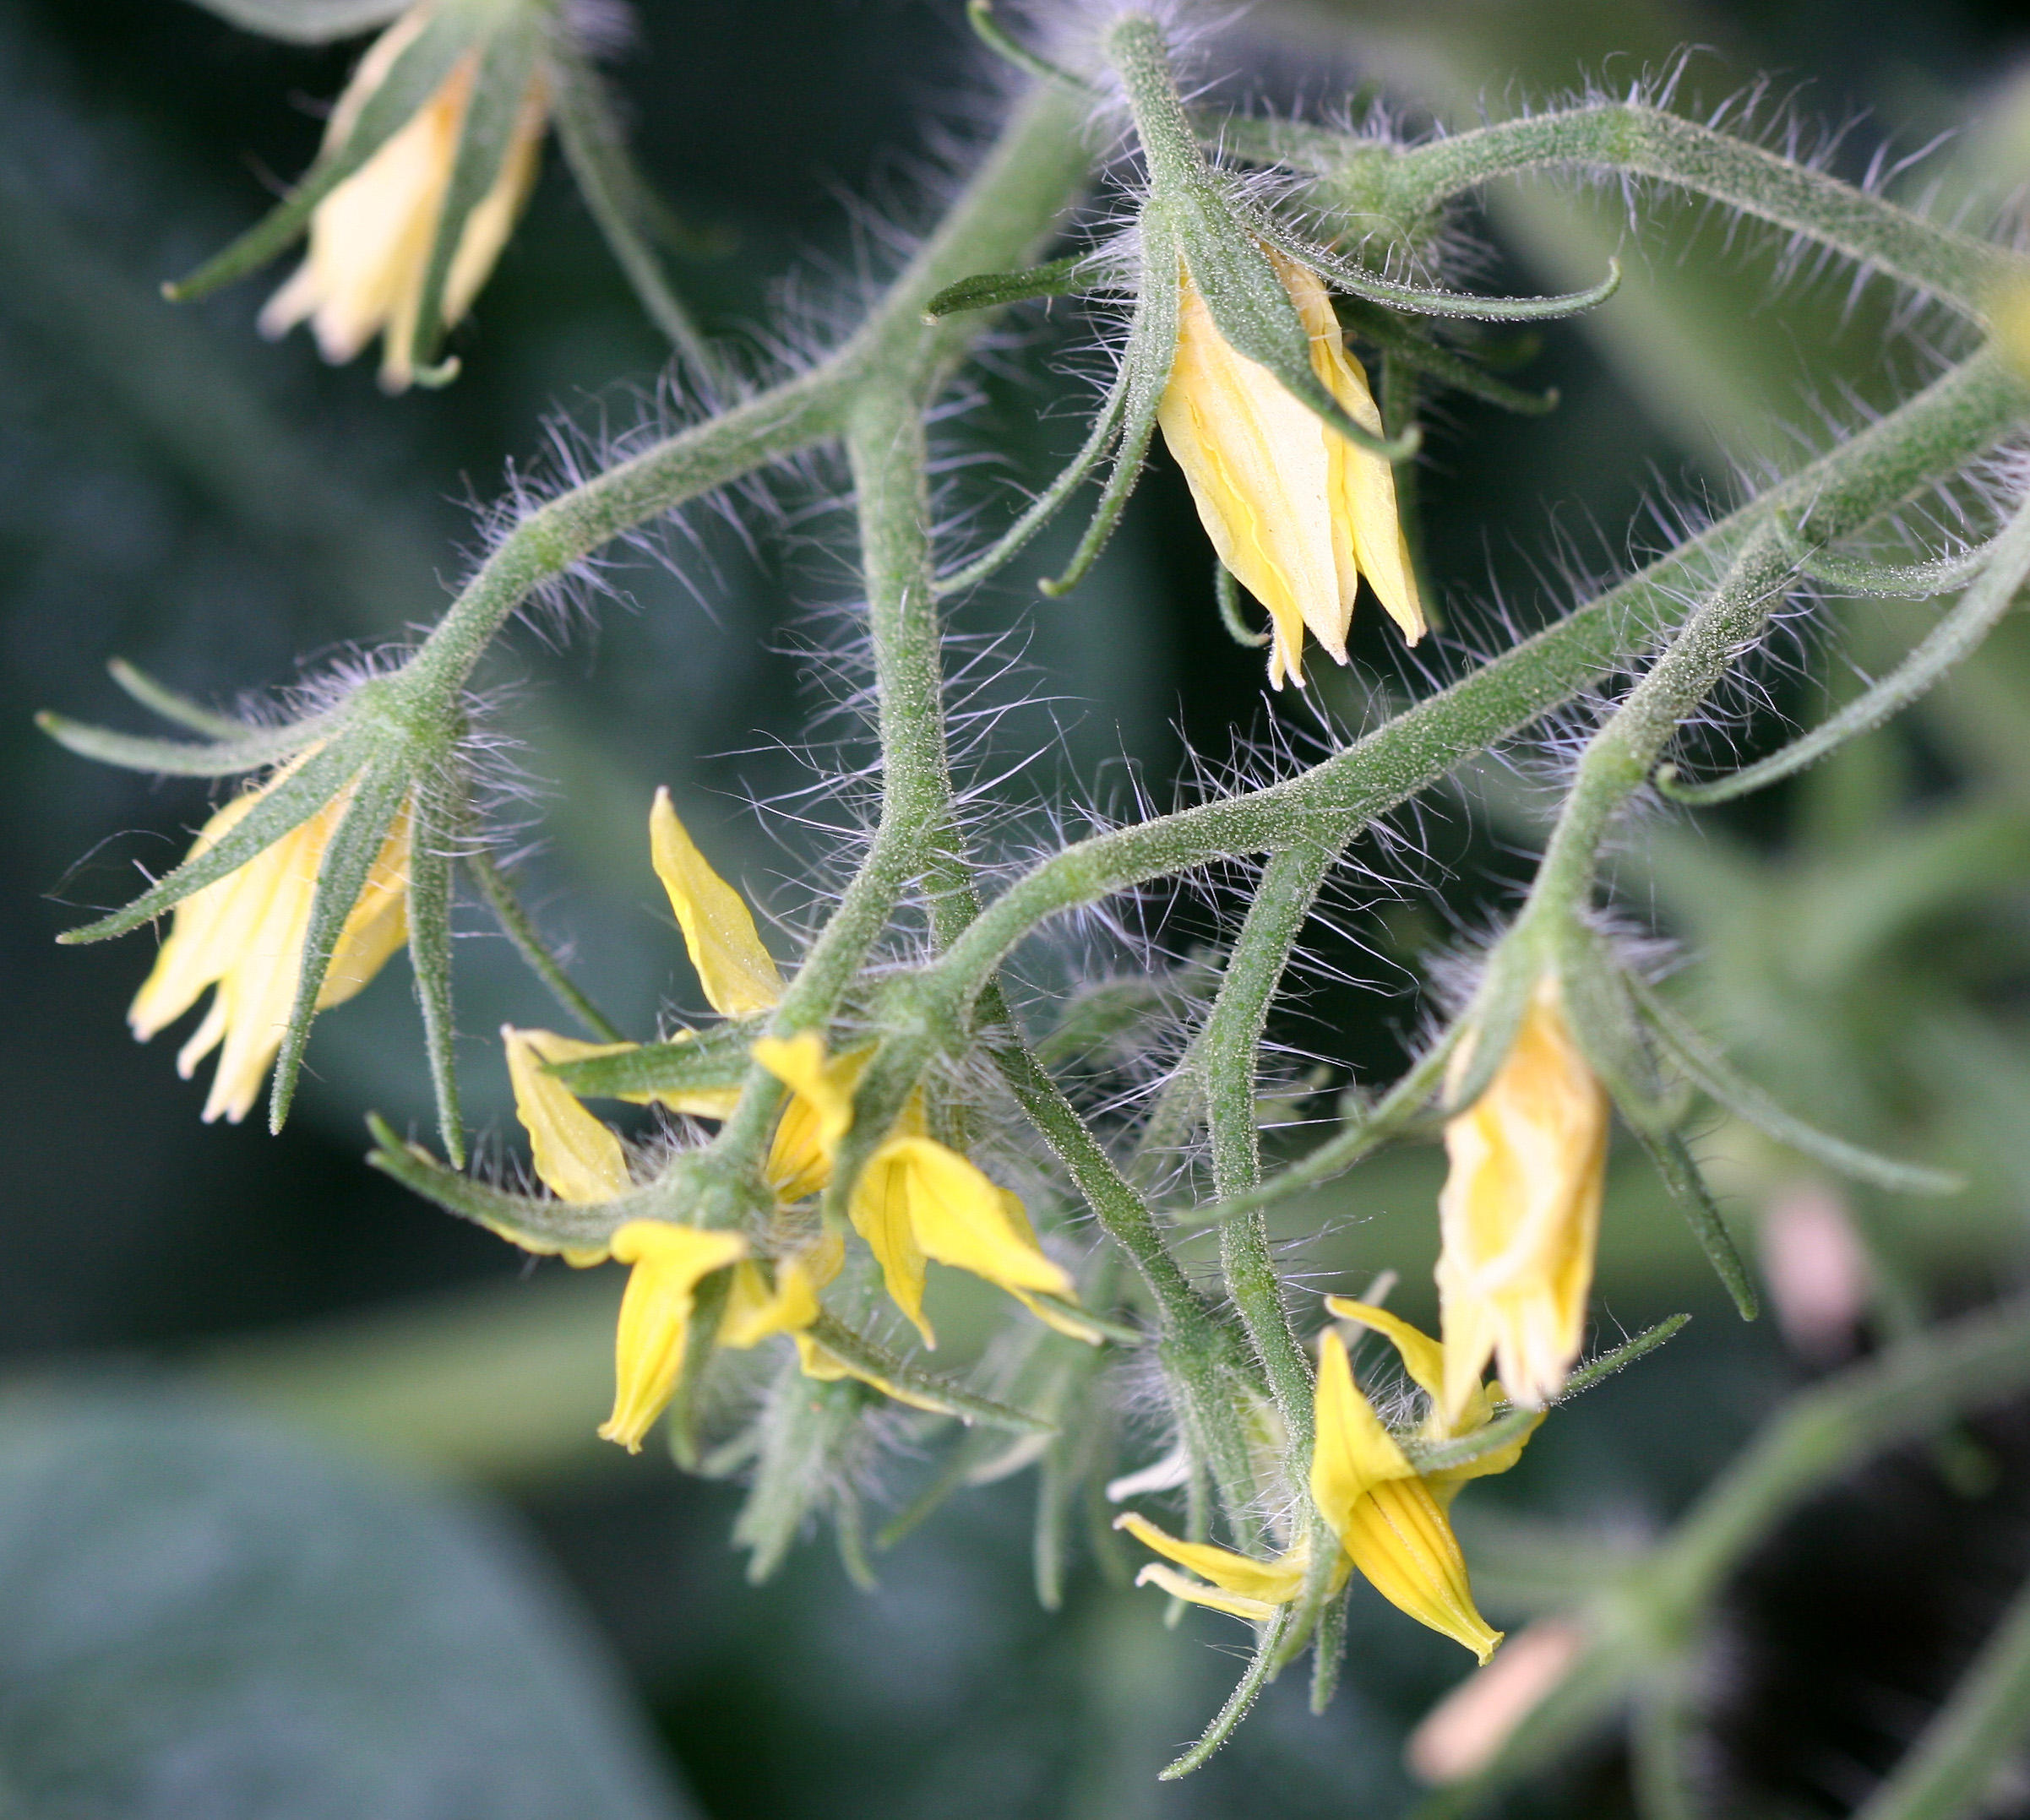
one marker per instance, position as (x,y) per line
(1816,1268)
(1460,1735)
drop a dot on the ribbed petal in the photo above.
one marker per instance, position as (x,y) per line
(1403,1542)
(754,1311)
(1354,1452)
(882,1213)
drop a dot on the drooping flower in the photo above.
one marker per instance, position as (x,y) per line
(373,237)
(1520,1212)
(243,936)
(1294,509)
(1390,1522)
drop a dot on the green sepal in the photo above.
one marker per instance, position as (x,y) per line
(520,929)
(535,1223)
(1491,1021)
(418,73)
(1145,365)
(1329,1650)
(1226,595)
(1251,308)
(254,751)
(1406,1111)
(1104,434)
(1418,299)
(630,215)
(714,1058)
(1118,1012)
(701,1336)
(1076,274)
(486,135)
(307,21)
(180,709)
(2005,567)
(1713,1074)
(341,876)
(288,805)
(1687,1187)
(1505,1429)
(1594,995)
(1260,1672)
(1898,581)
(863,1355)
(808,1431)
(979,15)
(436,832)
(1372,322)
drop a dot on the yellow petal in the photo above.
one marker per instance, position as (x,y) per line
(955,1215)
(1365,523)
(1520,1214)
(1353,1452)
(1273,1583)
(1197,1593)
(668,1261)
(1066,1321)
(379,921)
(1296,512)
(819,1114)
(1423,1357)
(754,1311)
(1402,1541)
(882,1213)
(578,1158)
(738,973)
(244,937)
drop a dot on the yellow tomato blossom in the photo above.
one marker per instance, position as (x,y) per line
(371,238)
(1520,1212)
(1296,511)
(1390,1522)
(244,937)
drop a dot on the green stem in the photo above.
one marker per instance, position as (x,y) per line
(1035,172)
(1946,1773)
(1619,758)
(1225,1055)
(1925,441)
(1628,139)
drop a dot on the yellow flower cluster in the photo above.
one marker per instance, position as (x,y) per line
(917,1200)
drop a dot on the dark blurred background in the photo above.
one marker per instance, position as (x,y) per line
(219,510)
